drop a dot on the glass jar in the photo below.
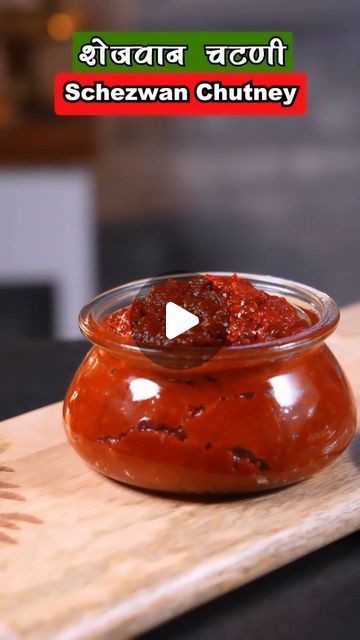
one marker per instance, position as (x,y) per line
(253,417)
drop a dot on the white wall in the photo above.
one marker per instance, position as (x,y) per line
(47,236)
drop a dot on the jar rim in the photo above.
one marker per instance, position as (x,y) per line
(324,307)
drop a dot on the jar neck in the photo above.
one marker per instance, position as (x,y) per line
(323,308)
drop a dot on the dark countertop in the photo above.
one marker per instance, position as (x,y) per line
(314,597)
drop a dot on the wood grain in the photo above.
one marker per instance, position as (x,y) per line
(84,557)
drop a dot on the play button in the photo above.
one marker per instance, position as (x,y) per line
(178,320)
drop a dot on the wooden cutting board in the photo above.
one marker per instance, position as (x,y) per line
(84,557)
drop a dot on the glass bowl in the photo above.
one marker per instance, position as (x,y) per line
(253,417)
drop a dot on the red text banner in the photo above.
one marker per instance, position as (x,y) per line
(193,94)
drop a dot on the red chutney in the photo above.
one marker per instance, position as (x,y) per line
(247,420)
(231,310)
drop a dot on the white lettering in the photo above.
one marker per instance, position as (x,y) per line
(290,94)
(72,92)
(100,92)
(204,91)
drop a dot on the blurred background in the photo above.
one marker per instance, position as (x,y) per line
(86,204)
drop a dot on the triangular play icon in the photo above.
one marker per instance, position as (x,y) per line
(178,320)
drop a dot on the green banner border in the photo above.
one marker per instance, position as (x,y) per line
(196,59)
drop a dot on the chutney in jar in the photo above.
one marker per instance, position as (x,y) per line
(270,408)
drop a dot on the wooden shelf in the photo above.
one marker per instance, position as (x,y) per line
(54,141)
(22,24)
